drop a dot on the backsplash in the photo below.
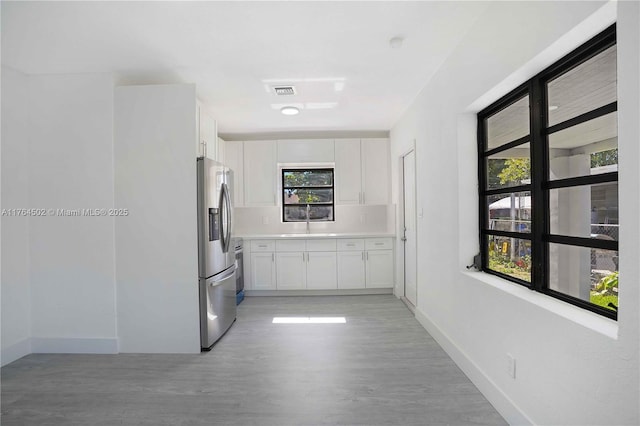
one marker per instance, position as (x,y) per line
(351,219)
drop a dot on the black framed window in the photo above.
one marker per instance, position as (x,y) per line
(548,180)
(307,192)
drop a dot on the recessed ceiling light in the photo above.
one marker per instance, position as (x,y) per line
(289,110)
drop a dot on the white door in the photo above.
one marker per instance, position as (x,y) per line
(350,269)
(409,190)
(291,271)
(321,270)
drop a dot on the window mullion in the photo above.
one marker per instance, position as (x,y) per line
(482,176)
(539,173)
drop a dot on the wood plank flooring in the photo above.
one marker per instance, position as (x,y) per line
(380,368)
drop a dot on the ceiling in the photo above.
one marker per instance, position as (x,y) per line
(336,54)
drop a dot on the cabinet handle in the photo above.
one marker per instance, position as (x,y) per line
(359,197)
(351,245)
(262,245)
(363,198)
(367,256)
(273,257)
(379,244)
(362,256)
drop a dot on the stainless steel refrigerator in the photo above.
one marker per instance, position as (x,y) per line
(216,256)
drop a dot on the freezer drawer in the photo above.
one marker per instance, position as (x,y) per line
(217,306)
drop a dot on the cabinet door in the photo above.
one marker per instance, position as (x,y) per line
(263,271)
(234,159)
(221,151)
(291,271)
(306,151)
(351,269)
(260,173)
(379,268)
(321,270)
(208,137)
(375,171)
(348,175)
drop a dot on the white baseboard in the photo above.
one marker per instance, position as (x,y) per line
(500,401)
(63,345)
(16,351)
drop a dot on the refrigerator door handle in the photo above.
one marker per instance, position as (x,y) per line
(223,277)
(225,225)
(227,196)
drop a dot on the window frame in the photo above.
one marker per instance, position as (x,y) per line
(283,170)
(540,184)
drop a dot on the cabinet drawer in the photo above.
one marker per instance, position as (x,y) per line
(263,245)
(321,245)
(378,244)
(350,245)
(290,245)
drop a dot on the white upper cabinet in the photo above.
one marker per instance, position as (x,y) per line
(221,151)
(260,171)
(375,171)
(362,171)
(306,151)
(234,158)
(348,173)
(207,142)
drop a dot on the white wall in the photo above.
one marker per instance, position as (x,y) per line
(71,258)
(59,272)
(16,294)
(156,245)
(573,367)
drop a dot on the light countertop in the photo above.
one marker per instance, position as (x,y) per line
(316,235)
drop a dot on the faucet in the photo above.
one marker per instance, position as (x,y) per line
(308,210)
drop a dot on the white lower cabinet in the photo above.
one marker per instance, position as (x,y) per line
(351,270)
(379,269)
(263,271)
(306,270)
(291,271)
(321,270)
(345,264)
(365,263)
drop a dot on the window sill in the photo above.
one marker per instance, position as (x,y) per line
(590,320)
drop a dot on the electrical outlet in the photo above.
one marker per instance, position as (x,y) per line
(511,366)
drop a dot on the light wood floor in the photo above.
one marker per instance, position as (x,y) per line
(380,368)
